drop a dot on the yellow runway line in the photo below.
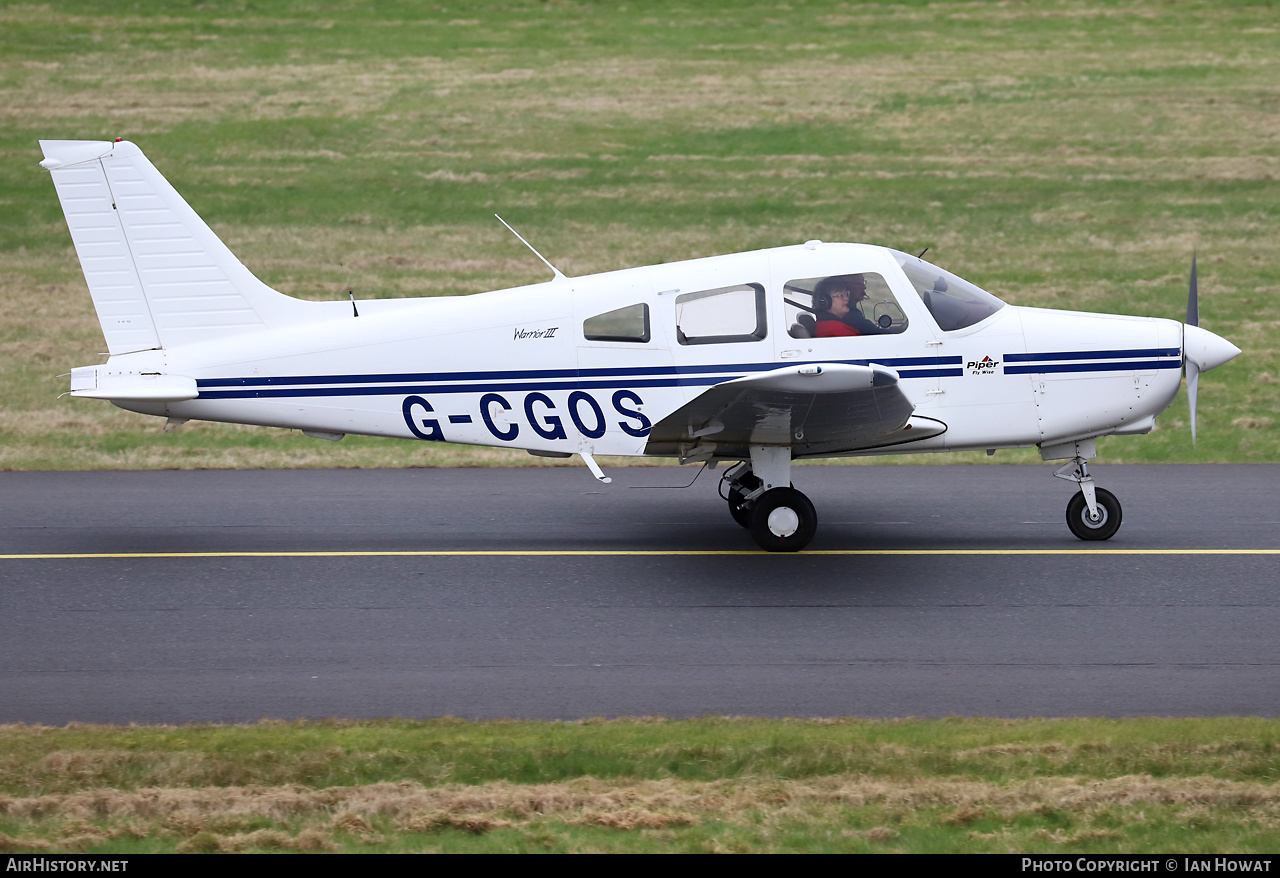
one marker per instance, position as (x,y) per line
(592,553)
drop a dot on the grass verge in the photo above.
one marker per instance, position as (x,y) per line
(647,785)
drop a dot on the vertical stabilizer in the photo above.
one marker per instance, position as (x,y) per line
(158,274)
(98,236)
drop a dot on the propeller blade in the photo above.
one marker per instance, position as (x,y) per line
(1193,371)
(1193,297)
(1201,349)
(1193,384)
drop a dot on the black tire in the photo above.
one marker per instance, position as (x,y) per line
(1109,516)
(791,529)
(740,513)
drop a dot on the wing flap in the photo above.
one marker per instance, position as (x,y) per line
(814,409)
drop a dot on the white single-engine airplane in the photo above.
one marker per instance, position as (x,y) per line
(814,350)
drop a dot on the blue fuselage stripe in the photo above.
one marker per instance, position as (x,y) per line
(515,381)
(542,374)
(1093,367)
(402,389)
(1093,355)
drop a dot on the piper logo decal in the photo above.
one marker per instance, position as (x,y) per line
(985,366)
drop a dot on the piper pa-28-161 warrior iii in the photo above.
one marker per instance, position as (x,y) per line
(808,351)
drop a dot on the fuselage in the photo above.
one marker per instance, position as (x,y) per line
(592,363)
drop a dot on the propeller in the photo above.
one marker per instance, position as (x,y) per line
(1201,349)
(1193,370)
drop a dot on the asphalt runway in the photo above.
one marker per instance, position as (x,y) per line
(482,593)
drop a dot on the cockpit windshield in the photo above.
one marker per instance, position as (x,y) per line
(954,302)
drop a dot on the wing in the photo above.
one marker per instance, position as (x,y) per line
(816,409)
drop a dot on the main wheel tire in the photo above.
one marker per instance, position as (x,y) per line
(1109,516)
(783,520)
(740,513)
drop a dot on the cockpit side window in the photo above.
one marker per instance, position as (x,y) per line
(842,305)
(722,315)
(954,302)
(622,324)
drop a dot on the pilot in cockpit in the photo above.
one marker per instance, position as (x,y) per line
(836,301)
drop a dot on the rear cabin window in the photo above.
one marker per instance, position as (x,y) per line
(842,305)
(720,316)
(622,324)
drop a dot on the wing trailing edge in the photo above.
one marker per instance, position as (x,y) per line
(815,409)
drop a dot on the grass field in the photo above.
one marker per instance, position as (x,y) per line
(709,785)
(1068,154)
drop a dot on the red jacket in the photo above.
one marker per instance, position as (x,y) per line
(831,328)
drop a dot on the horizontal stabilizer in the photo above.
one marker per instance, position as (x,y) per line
(105,382)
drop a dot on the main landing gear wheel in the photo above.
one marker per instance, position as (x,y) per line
(737,497)
(1086,528)
(783,520)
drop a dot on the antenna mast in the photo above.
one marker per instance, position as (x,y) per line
(556,271)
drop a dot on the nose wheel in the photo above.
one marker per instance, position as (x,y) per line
(1094,513)
(1087,526)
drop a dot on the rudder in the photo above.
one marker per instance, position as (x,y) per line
(158,275)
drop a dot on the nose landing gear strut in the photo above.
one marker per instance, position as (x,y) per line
(1094,513)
